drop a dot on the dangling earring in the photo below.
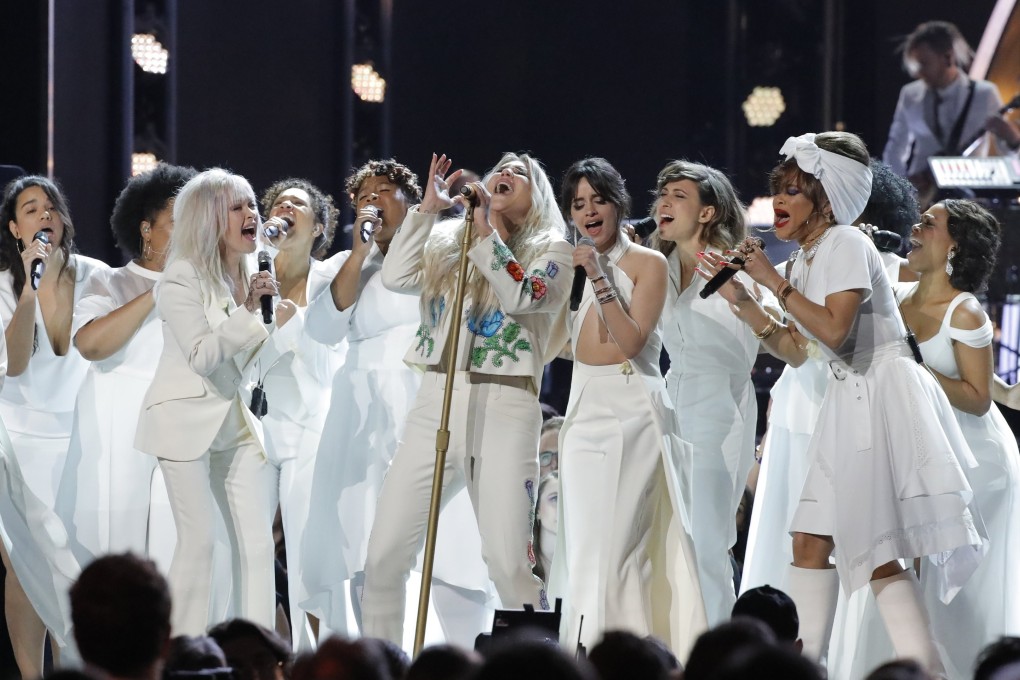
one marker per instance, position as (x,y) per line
(949,261)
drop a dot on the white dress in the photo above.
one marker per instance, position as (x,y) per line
(38,408)
(711,354)
(886,480)
(108,486)
(371,396)
(988,605)
(625,558)
(796,401)
(297,373)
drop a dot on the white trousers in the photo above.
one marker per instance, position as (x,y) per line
(493,450)
(233,478)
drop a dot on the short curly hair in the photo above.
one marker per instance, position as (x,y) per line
(892,205)
(326,213)
(978,236)
(141,200)
(398,173)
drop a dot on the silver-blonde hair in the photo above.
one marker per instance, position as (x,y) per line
(542,226)
(201,214)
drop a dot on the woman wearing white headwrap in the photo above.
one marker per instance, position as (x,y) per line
(885,481)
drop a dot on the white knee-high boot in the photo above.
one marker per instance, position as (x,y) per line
(814,591)
(901,605)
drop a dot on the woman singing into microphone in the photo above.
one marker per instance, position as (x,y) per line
(885,482)
(43,376)
(195,417)
(295,370)
(623,469)
(517,287)
(711,355)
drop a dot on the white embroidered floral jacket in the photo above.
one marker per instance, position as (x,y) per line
(525,332)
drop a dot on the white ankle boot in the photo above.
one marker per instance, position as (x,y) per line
(814,591)
(901,604)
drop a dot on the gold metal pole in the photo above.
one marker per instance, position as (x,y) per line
(443,435)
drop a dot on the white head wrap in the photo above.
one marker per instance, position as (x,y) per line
(847,182)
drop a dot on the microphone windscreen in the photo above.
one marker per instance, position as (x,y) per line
(586,241)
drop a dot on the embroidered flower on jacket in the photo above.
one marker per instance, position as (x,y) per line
(538,288)
(488,326)
(516,270)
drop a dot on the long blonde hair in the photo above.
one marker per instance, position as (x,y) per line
(201,214)
(542,226)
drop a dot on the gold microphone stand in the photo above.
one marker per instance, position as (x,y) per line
(443,433)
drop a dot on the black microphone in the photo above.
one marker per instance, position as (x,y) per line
(887,241)
(265,265)
(367,225)
(37,264)
(272,231)
(645,227)
(577,289)
(469,192)
(724,275)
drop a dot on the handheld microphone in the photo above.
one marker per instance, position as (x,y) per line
(724,275)
(644,227)
(265,264)
(887,241)
(577,288)
(469,192)
(367,225)
(272,231)
(37,264)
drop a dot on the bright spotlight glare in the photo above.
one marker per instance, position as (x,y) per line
(763,106)
(148,53)
(367,84)
(143,162)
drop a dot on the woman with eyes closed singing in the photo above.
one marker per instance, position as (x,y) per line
(711,354)
(517,288)
(624,558)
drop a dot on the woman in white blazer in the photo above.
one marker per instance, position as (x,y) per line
(195,416)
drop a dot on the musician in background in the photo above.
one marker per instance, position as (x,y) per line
(942,112)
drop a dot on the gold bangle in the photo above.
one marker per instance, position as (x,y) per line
(783,291)
(771,327)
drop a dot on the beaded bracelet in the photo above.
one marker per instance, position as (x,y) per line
(769,329)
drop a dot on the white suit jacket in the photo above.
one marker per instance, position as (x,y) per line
(912,140)
(207,350)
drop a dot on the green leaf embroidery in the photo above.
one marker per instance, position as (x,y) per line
(425,342)
(504,345)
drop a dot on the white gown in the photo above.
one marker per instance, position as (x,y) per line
(711,354)
(371,396)
(297,373)
(112,498)
(38,408)
(988,605)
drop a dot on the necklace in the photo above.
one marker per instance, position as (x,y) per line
(813,248)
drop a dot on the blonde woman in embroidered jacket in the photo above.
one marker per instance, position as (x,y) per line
(517,288)
(624,556)
(195,416)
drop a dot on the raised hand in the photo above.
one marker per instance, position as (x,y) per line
(437,185)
